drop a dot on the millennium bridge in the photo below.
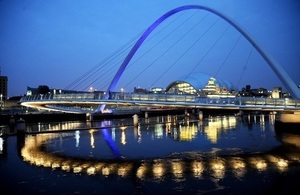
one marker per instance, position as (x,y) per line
(94,103)
(89,102)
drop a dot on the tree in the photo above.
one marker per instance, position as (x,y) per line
(43,89)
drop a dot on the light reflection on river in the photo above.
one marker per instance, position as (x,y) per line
(159,140)
(170,154)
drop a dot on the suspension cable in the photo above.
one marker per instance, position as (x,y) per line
(91,72)
(86,74)
(168,47)
(185,51)
(245,67)
(228,55)
(208,51)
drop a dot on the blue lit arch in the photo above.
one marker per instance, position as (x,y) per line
(279,71)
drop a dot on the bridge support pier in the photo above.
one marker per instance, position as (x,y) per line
(186,113)
(241,113)
(262,118)
(21,127)
(135,120)
(89,117)
(200,115)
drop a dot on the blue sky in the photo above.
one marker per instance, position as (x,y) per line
(54,42)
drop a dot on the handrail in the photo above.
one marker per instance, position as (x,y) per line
(168,98)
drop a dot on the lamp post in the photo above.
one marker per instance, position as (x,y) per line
(122,94)
(1,102)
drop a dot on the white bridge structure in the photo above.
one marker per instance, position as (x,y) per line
(89,102)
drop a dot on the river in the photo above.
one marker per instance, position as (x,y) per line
(162,155)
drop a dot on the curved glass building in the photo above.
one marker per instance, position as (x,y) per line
(201,84)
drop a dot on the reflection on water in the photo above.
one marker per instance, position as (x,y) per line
(156,168)
(171,154)
(211,147)
(218,124)
(58,126)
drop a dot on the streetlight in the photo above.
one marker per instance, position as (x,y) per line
(1,102)
(122,93)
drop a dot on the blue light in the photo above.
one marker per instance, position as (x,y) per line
(110,143)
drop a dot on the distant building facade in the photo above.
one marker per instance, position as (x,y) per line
(36,91)
(277,92)
(259,92)
(201,84)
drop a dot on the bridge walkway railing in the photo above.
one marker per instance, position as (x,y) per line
(168,98)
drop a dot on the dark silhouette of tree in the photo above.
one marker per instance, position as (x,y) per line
(43,89)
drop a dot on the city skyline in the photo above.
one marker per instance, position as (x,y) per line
(53,43)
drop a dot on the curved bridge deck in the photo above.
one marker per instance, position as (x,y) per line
(88,102)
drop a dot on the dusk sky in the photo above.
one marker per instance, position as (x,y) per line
(54,42)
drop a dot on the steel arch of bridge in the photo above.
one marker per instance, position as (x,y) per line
(279,71)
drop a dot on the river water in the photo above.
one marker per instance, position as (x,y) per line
(162,155)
